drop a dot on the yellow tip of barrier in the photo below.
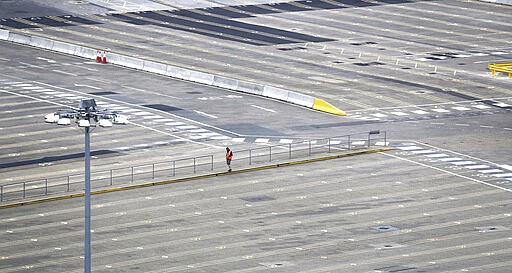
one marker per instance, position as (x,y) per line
(324,106)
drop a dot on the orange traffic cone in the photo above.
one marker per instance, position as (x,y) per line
(98,56)
(104,60)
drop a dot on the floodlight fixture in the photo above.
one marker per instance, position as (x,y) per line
(87,117)
(105,123)
(64,121)
(84,123)
(51,118)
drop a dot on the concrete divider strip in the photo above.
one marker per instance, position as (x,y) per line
(324,106)
(224,82)
(201,77)
(41,42)
(301,99)
(4,34)
(127,61)
(150,184)
(176,72)
(18,38)
(251,88)
(85,52)
(153,67)
(275,93)
(64,47)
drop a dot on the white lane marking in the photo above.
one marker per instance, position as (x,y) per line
(262,140)
(152,117)
(437,155)
(476,167)
(219,137)
(204,114)
(460,108)
(32,65)
(491,171)
(175,123)
(382,143)
(16,84)
(44,59)
(379,115)
(31,87)
(481,106)
(451,159)
(420,112)
(410,148)
(88,86)
(398,113)
(502,104)
(162,120)
(461,163)
(238,139)
(448,172)
(186,127)
(503,175)
(440,110)
(424,152)
(506,167)
(263,108)
(143,113)
(65,73)
(200,130)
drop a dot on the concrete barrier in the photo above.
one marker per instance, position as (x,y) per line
(178,72)
(301,99)
(275,93)
(224,82)
(85,52)
(125,61)
(41,42)
(201,77)
(4,34)
(64,47)
(154,67)
(18,38)
(251,88)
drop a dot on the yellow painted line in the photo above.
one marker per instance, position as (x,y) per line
(151,184)
(324,106)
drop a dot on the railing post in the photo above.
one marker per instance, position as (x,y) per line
(68,182)
(132,174)
(212,162)
(270,153)
(250,156)
(153,171)
(385,143)
(111,178)
(46,186)
(174,168)
(24,186)
(289,150)
(194,165)
(369,139)
(329,141)
(1,193)
(309,150)
(349,142)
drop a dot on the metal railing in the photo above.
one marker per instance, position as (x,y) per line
(190,166)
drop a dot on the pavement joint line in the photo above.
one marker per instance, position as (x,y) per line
(185,179)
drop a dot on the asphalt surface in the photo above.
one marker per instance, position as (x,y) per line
(438,202)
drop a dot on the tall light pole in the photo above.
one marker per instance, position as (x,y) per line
(83,115)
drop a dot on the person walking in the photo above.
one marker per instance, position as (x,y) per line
(229,156)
